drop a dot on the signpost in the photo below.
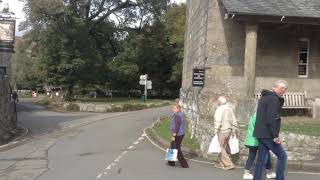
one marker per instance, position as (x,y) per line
(198,77)
(147,85)
(7,29)
(7,32)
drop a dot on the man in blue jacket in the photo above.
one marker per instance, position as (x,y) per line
(267,129)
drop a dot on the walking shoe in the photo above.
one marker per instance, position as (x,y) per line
(229,168)
(219,166)
(271,175)
(247,175)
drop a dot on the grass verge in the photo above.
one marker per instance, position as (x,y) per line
(162,130)
(302,128)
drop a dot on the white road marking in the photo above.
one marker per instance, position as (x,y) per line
(99,176)
(114,163)
(117,159)
(124,152)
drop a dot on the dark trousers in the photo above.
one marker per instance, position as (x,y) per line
(252,156)
(181,159)
(266,144)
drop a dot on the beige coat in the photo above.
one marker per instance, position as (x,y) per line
(224,119)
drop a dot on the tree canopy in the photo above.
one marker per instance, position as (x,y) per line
(106,43)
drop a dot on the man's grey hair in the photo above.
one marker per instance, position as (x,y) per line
(281,84)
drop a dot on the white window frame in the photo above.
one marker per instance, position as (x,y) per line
(308,55)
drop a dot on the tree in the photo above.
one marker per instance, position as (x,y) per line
(79,38)
(24,68)
(157,49)
(175,18)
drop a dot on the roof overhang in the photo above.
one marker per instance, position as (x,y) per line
(272,19)
(262,11)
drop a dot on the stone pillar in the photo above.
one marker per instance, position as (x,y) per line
(8,127)
(250,58)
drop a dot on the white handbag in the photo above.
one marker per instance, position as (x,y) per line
(234,145)
(171,155)
(214,146)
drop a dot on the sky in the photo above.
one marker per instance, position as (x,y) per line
(16,7)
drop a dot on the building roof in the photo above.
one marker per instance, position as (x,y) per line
(288,8)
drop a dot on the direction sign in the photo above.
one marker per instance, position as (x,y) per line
(143,77)
(149,84)
(142,82)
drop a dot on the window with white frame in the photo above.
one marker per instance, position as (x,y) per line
(303,60)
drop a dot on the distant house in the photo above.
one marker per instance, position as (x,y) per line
(245,45)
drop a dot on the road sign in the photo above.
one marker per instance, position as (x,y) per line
(149,84)
(143,77)
(142,82)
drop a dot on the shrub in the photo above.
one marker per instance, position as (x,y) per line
(115,109)
(69,98)
(72,107)
(44,101)
(133,107)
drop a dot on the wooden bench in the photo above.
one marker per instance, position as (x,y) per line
(292,100)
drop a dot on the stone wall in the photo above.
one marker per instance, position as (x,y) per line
(298,147)
(216,45)
(8,121)
(195,38)
(108,107)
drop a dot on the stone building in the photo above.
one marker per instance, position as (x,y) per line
(244,46)
(8,123)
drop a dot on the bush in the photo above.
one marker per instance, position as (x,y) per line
(72,107)
(69,98)
(166,103)
(133,107)
(44,101)
(115,109)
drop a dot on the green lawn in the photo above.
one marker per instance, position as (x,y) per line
(162,129)
(302,128)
